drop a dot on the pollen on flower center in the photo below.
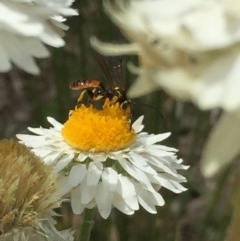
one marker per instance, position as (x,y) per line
(107,129)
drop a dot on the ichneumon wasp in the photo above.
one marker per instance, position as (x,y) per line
(93,92)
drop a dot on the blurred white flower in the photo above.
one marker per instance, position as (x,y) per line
(103,161)
(189,48)
(25,26)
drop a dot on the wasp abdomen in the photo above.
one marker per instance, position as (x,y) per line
(84,84)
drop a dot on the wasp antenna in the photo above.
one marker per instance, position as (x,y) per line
(149,106)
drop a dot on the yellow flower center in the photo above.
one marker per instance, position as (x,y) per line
(90,129)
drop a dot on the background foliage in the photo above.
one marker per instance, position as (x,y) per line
(201,213)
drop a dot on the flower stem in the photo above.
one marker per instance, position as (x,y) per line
(87,224)
(211,206)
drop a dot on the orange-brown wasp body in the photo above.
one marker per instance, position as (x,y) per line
(84,84)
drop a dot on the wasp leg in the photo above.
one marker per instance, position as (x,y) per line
(85,98)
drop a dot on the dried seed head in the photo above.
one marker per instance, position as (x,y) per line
(27,187)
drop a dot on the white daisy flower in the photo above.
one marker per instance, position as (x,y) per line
(25,26)
(104,161)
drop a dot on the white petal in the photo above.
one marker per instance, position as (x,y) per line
(77,174)
(159,151)
(223,144)
(51,38)
(127,191)
(158,200)
(146,201)
(137,174)
(104,201)
(88,192)
(141,163)
(81,157)
(137,125)
(76,205)
(42,152)
(113,49)
(19,54)
(169,184)
(152,139)
(52,158)
(32,141)
(63,185)
(163,148)
(63,162)
(38,131)
(218,84)
(98,157)
(57,125)
(121,205)
(214,22)
(94,173)
(161,164)
(36,48)
(109,179)
(141,87)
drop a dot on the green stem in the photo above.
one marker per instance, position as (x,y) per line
(211,208)
(87,224)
